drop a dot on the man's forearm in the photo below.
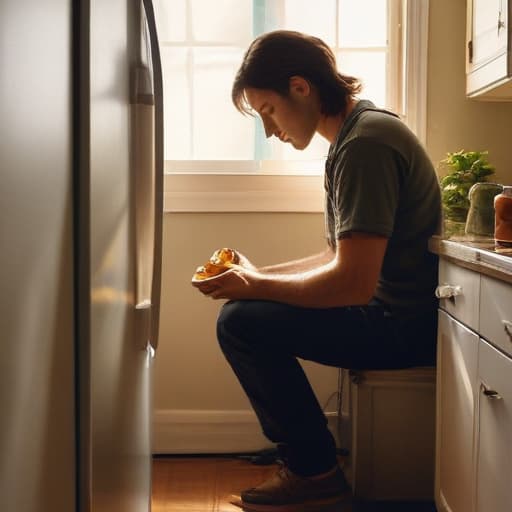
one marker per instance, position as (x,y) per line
(321,287)
(348,278)
(300,265)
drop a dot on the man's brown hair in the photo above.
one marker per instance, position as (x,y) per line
(273,58)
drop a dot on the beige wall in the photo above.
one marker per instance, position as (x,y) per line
(453,121)
(193,382)
(190,370)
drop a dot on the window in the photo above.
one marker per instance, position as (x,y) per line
(202,46)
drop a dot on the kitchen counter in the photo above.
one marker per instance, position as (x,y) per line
(476,254)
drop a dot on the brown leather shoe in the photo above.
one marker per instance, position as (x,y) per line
(285,491)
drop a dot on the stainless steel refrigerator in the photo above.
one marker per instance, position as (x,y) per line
(81,170)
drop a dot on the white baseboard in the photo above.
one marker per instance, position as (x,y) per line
(177,431)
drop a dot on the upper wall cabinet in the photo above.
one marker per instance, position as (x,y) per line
(489,50)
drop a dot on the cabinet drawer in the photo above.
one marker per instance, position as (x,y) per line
(463,305)
(496,313)
(494,446)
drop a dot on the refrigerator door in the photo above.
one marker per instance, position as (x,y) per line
(37,393)
(115,361)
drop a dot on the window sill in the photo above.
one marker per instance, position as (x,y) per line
(207,192)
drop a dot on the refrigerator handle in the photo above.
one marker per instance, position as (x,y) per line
(143,162)
(158,169)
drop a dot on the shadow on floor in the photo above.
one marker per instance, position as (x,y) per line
(352,506)
(391,507)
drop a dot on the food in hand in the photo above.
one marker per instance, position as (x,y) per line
(221,260)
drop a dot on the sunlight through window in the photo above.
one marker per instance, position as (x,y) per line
(203,43)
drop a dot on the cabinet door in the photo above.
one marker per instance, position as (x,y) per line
(456,390)
(488,59)
(494,449)
(489,28)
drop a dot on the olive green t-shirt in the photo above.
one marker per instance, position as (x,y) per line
(379,179)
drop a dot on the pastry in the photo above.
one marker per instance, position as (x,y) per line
(221,260)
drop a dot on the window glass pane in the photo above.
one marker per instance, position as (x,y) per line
(362,23)
(370,67)
(170,19)
(177,103)
(317,150)
(219,130)
(222,21)
(306,16)
(203,43)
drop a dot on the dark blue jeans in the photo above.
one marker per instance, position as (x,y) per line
(262,340)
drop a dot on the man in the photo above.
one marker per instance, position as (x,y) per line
(367,301)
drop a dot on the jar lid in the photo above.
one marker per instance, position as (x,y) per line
(507,190)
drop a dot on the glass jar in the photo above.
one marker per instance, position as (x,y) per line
(503,223)
(480,220)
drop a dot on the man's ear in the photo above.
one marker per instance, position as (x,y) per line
(299,85)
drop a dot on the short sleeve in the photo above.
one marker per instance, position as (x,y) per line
(364,188)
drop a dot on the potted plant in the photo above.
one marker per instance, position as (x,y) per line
(465,168)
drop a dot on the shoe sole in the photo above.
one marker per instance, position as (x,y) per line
(292,507)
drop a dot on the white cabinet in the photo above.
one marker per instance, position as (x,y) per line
(494,431)
(463,290)
(393,434)
(474,393)
(456,392)
(489,52)
(496,313)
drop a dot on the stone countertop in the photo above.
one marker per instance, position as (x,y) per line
(476,254)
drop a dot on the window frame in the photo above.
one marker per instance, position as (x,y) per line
(246,186)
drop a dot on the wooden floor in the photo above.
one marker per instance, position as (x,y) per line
(206,484)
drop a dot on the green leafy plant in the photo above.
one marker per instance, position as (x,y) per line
(465,168)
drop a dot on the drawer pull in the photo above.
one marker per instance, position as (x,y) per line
(491,394)
(448,291)
(507,327)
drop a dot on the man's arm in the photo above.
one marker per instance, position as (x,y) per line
(349,278)
(300,265)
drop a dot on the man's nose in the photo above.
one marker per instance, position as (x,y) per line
(269,127)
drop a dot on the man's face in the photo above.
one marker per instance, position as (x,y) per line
(293,118)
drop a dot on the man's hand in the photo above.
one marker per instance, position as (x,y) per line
(234,284)
(243,261)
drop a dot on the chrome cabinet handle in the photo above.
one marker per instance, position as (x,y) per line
(507,327)
(448,291)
